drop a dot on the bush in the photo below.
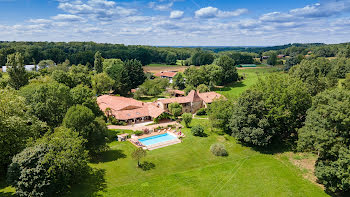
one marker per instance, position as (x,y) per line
(198,130)
(202,112)
(138,133)
(187,118)
(218,150)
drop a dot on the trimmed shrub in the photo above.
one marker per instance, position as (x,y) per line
(198,130)
(202,112)
(218,150)
(138,133)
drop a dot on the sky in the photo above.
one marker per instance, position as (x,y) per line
(177,22)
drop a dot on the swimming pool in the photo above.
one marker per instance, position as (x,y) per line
(157,139)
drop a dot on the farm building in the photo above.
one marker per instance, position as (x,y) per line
(166,74)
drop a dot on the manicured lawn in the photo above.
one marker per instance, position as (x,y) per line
(189,169)
(251,77)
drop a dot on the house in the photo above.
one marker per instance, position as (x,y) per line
(167,75)
(281,56)
(127,109)
(190,103)
(133,111)
(27,67)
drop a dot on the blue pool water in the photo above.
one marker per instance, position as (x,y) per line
(156,139)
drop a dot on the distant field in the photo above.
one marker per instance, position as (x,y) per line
(159,68)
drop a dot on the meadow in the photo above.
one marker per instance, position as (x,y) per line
(251,77)
(190,169)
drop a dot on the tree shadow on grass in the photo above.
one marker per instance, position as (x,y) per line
(145,166)
(91,185)
(230,86)
(271,149)
(107,156)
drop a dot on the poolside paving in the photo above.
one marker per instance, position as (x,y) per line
(142,126)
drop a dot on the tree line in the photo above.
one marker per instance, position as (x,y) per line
(83,52)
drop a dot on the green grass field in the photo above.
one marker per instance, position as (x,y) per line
(189,169)
(252,76)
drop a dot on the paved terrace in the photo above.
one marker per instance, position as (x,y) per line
(142,126)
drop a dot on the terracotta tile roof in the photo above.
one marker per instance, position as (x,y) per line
(209,97)
(127,108)
(191,97)
(165,74)
(118,103)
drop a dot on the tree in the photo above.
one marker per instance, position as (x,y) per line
(316,73)
(138,154)
(346,82)
(175,109)
(202,88)
(16,126)
(198,130)
(272,60)
(18,75)
(229,70)
(344,52)
(102,83)
(80,75)
(202,58)
(194,76)
(179,81)
(50,166)
(171,58)
(291,62)
(326,132)
(214,74)
(135,72)
(153,87)
(83,95)
(219,113)
(270,112)
(188,89)
(340,67)
(98,63)
(62,77)
(116,71)
(46,63)
(187,118)
(49,101)
(81,119)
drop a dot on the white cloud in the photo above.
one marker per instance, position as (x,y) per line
(237,12)
(161,6)
(176,14)
(208,12)
(212,12)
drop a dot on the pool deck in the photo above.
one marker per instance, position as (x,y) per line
(142,126)
(138,144)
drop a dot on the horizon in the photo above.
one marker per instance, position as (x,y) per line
(177,22)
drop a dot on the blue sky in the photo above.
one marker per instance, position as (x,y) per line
(177,22)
